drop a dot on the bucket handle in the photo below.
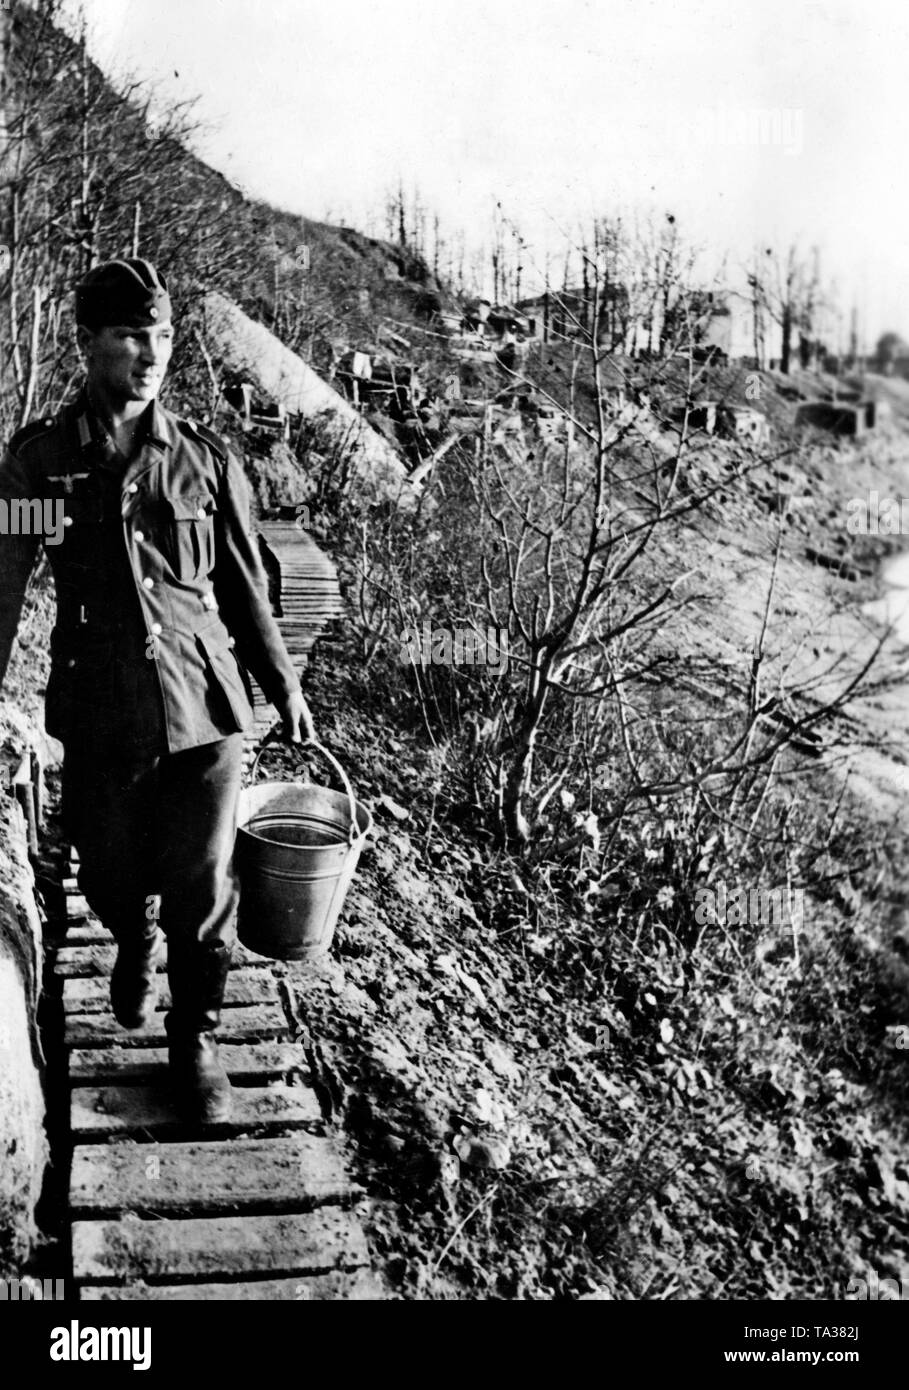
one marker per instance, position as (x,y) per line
(272,736)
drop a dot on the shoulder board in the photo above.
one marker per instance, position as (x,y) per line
(207,436)
(31,432)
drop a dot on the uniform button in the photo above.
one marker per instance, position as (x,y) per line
(133,487)
(47,424)
(140,535)
(201,513)
(67,521)
(157,629)
(148,582)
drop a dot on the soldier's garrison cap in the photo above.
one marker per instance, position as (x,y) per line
(128,293)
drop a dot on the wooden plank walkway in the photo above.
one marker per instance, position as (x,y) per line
(259,1207)
(306,596)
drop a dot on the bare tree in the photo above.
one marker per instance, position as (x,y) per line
(581,564)
(786,287)
(71,194)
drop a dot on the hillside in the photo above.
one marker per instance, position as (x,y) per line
(563,1092)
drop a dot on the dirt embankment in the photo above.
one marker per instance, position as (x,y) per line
(540,1114)
(24,1150)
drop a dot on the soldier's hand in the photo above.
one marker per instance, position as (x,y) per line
(296,717)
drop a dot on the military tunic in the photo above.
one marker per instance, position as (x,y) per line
(162,605)
(162,599)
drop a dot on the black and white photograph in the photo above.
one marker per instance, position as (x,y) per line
(454,644)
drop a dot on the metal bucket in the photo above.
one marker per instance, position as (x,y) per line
(296,853)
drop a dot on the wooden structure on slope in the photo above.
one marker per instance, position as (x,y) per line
(305,597)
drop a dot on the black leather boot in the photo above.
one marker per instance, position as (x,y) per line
(133,981)
(198,976)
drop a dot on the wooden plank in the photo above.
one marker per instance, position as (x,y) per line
(87,933)
(133,1066)
(87,994)
(277,1175)
(98,959)
(313,586)
(213,1248)
(247,1021)
(98,1111)
(360,1286)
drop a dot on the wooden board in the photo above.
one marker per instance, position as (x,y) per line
(88,933)
(280,1175)
(90,994)
(213,1248)
(98,1111)
(98,959)
(360,1286)
(246,1021)
(135,1066)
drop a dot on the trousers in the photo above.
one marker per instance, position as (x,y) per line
(157,827)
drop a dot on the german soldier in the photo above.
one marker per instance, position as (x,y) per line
(162,607)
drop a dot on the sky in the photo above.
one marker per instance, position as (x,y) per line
(753,121)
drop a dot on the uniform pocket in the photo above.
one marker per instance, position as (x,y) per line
(191,534)
(228,675)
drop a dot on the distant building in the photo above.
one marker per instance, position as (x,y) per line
(726,322)
(704,319)
(570,313)
(484,332)
(743,423)
(840,417)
